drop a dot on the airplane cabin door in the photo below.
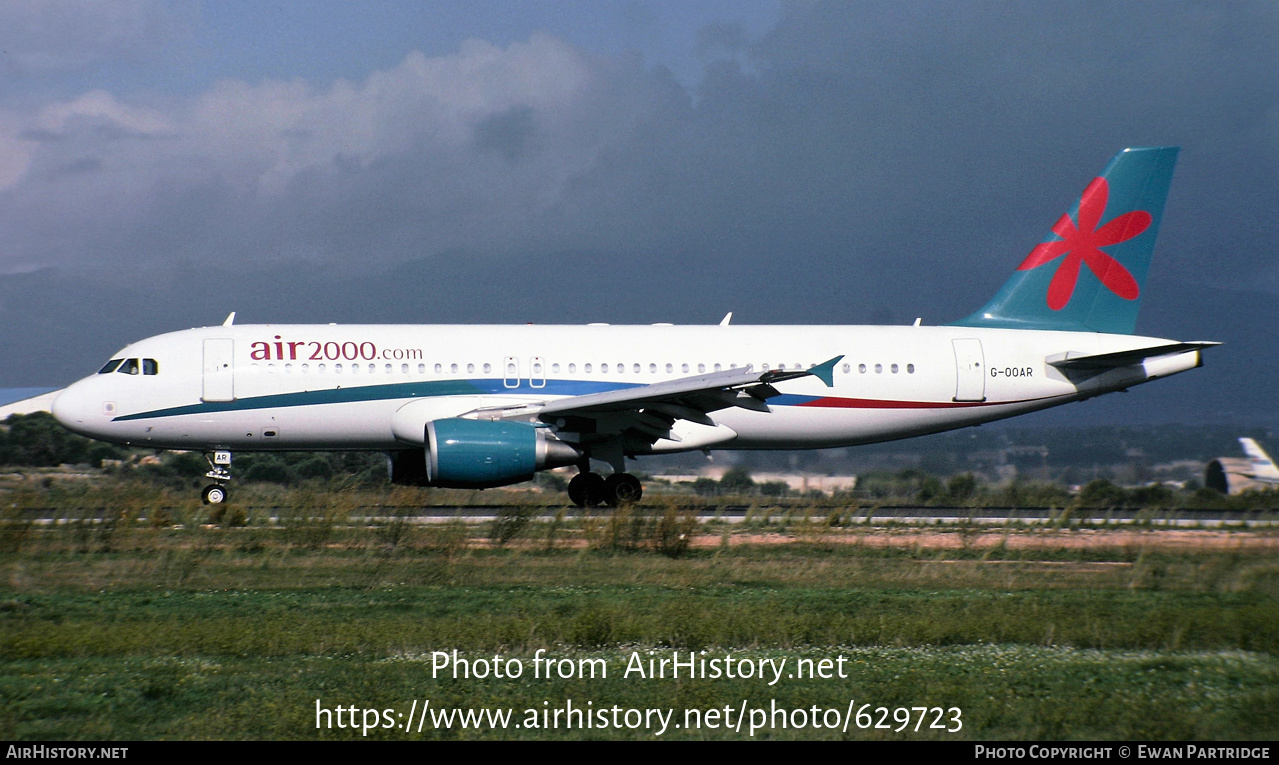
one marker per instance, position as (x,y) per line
(219,371)
(511,372)
(536,372)
(970,370)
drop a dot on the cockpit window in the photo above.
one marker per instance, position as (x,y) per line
(132,366)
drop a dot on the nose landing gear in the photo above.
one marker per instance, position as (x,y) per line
(219,471)
(213,494)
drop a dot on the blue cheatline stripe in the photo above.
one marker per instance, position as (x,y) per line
(393,391)
(437,388)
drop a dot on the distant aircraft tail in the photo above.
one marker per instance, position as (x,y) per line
(1088,275)
(1262,466)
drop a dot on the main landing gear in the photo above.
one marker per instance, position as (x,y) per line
(219,471)
(588,489)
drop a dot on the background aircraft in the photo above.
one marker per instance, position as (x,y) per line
(484,406)
(25,400)
(1262,468)
(1232,475)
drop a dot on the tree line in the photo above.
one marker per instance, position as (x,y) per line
(38,440)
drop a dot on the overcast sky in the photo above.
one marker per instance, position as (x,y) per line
(164,163)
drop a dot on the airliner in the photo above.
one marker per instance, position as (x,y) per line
(485,406)
(1260,467)
(1234,475)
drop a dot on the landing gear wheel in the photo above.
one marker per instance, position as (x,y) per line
(622,489)
(586,489)
(214,494)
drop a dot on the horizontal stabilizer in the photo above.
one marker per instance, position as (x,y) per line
(1101,361)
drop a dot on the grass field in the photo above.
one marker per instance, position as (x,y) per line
(115,628)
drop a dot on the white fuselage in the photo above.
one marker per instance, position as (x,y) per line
(307,387)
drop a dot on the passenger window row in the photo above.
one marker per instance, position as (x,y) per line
(605,368)
(879,369)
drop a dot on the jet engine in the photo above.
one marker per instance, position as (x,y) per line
(480,454)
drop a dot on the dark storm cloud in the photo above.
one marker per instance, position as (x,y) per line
(42,36)
(853,136)
(984,106)
(509,134)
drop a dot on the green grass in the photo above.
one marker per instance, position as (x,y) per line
(342,621)
(120,629)
(1004,692)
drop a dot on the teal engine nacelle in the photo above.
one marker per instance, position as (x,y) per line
(481,454)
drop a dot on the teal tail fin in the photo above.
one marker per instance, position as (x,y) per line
(1089,274)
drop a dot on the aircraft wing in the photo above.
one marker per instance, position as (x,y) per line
(651,410)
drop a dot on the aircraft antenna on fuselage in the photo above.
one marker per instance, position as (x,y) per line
(230,319)
(727,318)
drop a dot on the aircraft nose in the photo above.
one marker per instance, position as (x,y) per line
(63,408)
(74,410)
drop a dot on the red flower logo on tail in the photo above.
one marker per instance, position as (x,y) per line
(1082,244)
